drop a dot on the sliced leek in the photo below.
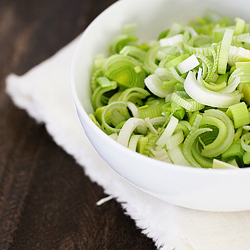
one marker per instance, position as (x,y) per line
(182,97)
(123,70)
(207,97)
(224,50)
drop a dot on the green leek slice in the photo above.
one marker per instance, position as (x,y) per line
(188,104)
(128,128)
(246,158)
(133,92)
(121,69)
(228,140)
(119,42)
(189,143)
(134,141)
(107,114)
(106,86)
(234,151)
(222,131)
(245,139)
(246,92)
(150,111)
(150,143)
(198,157)
(224,50)
(239,114)
(150,58)
(133,51)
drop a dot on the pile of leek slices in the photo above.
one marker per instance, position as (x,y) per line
(181,98)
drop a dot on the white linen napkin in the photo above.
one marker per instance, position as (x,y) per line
(44,92)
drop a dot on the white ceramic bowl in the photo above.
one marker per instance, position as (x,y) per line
(203,189)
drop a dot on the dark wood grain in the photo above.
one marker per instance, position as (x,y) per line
(46,201)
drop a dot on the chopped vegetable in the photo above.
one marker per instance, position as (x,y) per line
(184,98)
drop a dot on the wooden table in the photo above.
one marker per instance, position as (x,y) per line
(46,201)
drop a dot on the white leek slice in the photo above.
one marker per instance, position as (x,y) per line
(169,130)
(238,40)
(232,86)
(176,156)
(150,125)
(114,136)
(161,55)
(175,29)
(160,154)
(176,75)
(190,63)
(158,120)
(217,164)
(171,40)
(129,126)
(154,121)
(154,84)
(186,123)
(163,74)
(175,140)
(207,97)
(191,31)
(133,109)
(247,127)
(238,54)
